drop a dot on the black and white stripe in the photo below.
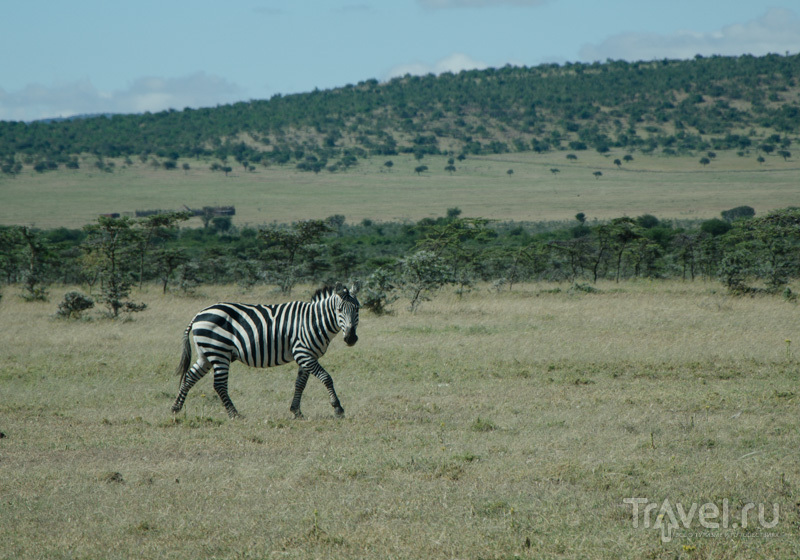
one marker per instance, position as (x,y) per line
(268,335)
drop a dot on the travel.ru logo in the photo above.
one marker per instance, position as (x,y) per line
(703,520)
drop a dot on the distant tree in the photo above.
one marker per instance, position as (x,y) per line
(453,213)
(715,227)
(760,159)
(221,224)
(150,228)
(388,164)
(420,274)
(555,170)
(336,221)
(704,161)
(186,168)
(740,212)
(167,262)
(581,217)
(627,158)
(647,221)
(227,169)
(572,157)
(420,169)
(206,215)
(111,240)
(712,155)
(287,250)
(35,251)
(170,164)
(450,168)
(597,174)
(785,154)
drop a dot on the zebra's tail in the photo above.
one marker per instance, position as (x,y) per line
(186,355)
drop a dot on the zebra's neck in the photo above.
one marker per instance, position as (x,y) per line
(325,309)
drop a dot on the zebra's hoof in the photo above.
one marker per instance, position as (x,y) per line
(233,414)
(297,414)
(339,412)
(176,408)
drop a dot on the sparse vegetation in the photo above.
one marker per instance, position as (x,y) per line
(526,417)
(571,352)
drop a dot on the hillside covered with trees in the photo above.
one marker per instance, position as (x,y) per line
(669,106)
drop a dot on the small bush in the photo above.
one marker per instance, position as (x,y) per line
(483,425)
(585,288)
(376,294)
(74,304)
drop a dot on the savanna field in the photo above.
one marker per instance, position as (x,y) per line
(641,419)
(490,425)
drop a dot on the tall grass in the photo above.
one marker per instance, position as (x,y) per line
(483,426)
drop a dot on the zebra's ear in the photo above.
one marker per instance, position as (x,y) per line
(340,290)
(355,287)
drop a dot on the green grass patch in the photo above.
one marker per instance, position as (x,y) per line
(667,187)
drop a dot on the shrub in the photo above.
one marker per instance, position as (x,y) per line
(376,294)
(74,304)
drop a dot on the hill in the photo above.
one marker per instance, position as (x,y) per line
(671,107)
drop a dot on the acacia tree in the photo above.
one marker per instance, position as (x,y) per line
(167,262)
(111,241)
(34,253)
(765,248)
(286,247)
(153,227)
(450,242)
(419,274)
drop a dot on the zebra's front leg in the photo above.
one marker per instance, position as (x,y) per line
(320,373)
(309,364)
(299,387)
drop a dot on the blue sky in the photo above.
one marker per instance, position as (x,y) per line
(93,56)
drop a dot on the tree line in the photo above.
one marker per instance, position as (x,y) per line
(396,261)
(745,103)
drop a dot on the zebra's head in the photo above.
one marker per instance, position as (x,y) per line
(347,312)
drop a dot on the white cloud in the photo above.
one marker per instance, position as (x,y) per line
(777,31)
(435,4)
(153,94)
(454,63)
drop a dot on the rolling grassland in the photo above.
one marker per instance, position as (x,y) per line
(493,425)
(667,187)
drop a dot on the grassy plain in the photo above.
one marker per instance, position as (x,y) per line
(668,187)
(488,426)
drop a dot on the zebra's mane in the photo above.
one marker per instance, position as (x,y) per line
(322,293)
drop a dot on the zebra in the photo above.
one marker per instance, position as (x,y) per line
(268,335)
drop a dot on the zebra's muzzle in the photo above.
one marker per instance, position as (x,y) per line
(350,337)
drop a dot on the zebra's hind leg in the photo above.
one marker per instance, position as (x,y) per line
(299,387)
(195,373)
(221,387)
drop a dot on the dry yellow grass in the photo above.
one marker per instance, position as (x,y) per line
(493,426)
